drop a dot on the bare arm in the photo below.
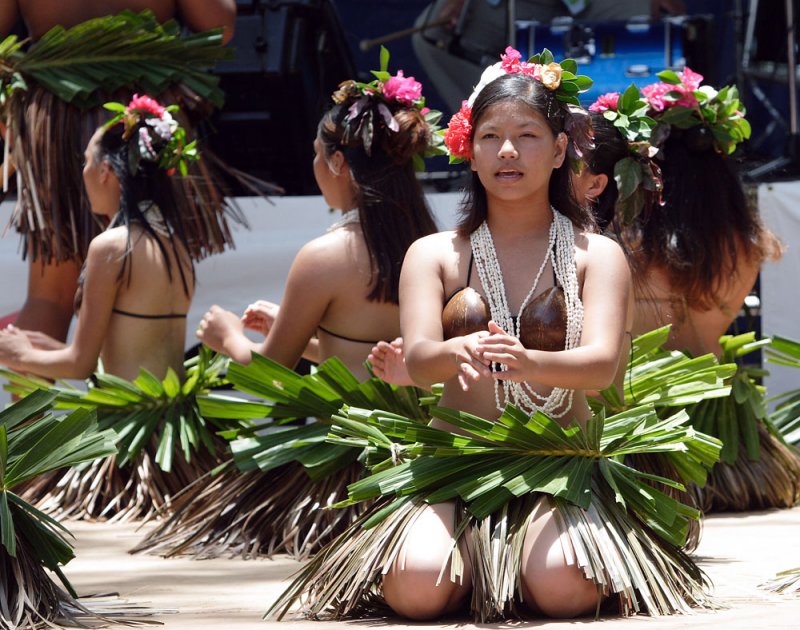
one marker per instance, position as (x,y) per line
(429,358)
(49,300)
(307,295)
(203,15)
(593,365)
(78,359)
(260,317)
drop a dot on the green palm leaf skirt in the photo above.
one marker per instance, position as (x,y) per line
(163,443)
(624,533)
(757,469)
(275,495)
(33,546)
(57,88)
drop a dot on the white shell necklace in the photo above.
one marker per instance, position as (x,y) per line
(351,216)
(561,248)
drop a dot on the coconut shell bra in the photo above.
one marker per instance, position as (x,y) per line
(544,319)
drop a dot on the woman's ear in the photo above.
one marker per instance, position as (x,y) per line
(560,149)
(597,184)
(336,162)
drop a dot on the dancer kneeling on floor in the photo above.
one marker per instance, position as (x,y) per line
(522,304)
(138,279)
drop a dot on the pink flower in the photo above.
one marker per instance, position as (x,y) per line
(690,79)
(402,89)
(146,105)
(424,110)
(459,130)
(605,102)
(654,94)
(532,70)
(511,60)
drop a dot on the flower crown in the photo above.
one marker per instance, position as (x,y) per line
(638,177)
(153,135)
(679,100)
(371,104)
(560,78)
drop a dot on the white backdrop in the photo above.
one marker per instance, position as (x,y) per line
(255,269)
(779,204)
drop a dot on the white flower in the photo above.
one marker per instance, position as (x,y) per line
(146,149)
(709,91)
(490,74)
(164,126)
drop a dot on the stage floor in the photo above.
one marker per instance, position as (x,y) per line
(737,551)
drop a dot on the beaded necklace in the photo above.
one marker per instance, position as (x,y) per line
(351,216)
(561,240)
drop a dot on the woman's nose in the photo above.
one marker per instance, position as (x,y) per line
(507,149)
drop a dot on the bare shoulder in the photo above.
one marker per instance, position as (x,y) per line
(598,246)
(112,242)
(437,245)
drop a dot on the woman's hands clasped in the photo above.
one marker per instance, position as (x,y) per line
(500,347)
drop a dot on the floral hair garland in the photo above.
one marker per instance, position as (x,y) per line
(645,120)
(638,177)
(153,134)
(372,104)
(559,78)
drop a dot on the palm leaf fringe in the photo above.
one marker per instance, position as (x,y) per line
(163,443)
(275,500)
(626,534)
(33,441)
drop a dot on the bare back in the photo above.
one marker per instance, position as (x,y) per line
(154,343)
(694,329)
(327,290)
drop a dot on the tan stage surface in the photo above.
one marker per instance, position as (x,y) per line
(737,551)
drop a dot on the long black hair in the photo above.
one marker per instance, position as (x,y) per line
(474,208)
(148,187)
(392,209)
(706,221)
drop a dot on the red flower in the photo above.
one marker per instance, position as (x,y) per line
(605,102)
(459,130)
(146,105)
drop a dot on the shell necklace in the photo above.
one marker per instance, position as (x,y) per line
(351,216)
(561,241)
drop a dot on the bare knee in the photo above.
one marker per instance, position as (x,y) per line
(552,582)
(412,587)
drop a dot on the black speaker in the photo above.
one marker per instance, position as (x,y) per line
(290,56)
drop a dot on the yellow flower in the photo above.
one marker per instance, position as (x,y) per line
(551,76)
(347,89)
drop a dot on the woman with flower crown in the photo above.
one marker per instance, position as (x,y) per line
(695,245)
(135,290)
(518,312)
(341,296)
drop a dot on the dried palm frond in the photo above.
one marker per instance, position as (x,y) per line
(785,582)
(626,534)
(163,442)
(275,500)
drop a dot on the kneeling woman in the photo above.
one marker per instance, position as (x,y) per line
(135,291)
